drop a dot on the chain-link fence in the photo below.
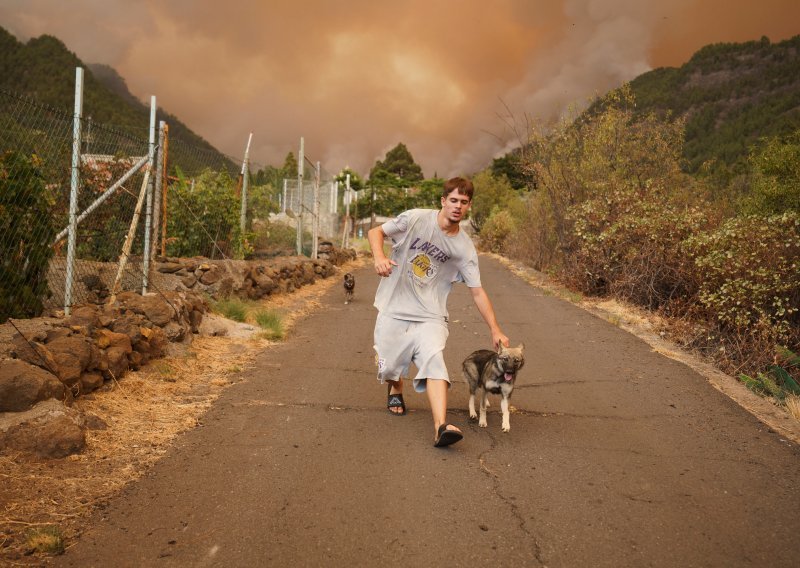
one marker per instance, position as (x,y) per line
(132,195)
(36,147)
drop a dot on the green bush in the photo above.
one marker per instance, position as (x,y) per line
(776,183)
(638,257)
(497,230)
(748,273)
(26,238)
(203,216)
(777,381)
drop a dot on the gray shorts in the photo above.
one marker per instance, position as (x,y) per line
(399,343)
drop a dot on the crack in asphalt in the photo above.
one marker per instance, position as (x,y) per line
(513,507)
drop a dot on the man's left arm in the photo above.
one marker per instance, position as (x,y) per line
(486,310)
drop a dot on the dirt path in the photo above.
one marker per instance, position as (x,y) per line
(617,456)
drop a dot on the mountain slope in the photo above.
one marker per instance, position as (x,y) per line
(44,70)
(730,94)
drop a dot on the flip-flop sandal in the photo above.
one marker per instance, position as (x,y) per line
(445,437)
(396,401)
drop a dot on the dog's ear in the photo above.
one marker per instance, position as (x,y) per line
(521,347)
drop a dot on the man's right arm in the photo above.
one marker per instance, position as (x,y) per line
(383,265)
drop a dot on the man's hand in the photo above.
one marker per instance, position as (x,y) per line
(384,266)
(499,337)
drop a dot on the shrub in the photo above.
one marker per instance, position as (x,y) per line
(232,308)
(496,231)
(26,237)
(748,272)
(777,381)
(639,256)
(203,219)
(271,322)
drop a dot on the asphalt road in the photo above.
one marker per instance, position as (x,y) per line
(617,456)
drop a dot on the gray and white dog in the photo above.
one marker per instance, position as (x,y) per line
(493,372)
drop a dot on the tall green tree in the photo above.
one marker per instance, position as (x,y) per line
(356,182)
(289,168)
(399,162)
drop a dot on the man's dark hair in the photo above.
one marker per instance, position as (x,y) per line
(463,185)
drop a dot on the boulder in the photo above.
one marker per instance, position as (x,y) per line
(91,381)
(169,267)
(49,430)
(211,276)
(34,353)
(105,339)
(174,331)
(129,324)
(83,316)
(22,385)
(72,355)
(116,362)
(151,306)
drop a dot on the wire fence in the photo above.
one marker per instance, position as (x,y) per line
(138,194)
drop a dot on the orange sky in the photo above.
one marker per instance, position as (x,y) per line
(358,76)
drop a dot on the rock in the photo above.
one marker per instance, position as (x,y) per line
(211,276)
(151,306)
(94,422)
(189,281)
(77,346)
(34,353)
(72,355)
(91,381)
(195,318)
(117,362)
(22,385)
(174,331)
(129,324)
(168,267)
(105,339)
(49,430)
(158,343)
(135,360)
(84,316)
(57,333)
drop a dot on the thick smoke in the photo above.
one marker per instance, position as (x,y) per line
(446,78)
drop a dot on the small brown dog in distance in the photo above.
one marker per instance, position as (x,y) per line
(349,287)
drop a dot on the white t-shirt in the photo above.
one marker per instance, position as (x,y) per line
(428,262)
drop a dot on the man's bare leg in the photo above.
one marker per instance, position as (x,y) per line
(437,397)
(396,387)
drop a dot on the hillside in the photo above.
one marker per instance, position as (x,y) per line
(731,94)
(44,69)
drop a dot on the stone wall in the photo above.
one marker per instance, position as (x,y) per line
(61,358)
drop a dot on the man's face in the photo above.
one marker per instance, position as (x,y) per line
(455,206)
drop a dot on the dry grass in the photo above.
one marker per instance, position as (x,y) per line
(144,412)
(793,405)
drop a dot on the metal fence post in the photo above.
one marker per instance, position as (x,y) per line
(299,219)
(245,181)
(165,184)
(74,186)
(149,206)
(315,226)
